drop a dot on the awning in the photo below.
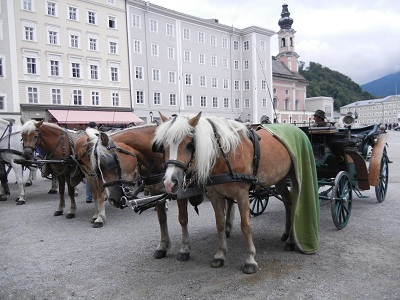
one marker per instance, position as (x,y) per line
(98,116)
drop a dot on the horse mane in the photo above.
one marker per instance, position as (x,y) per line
(30,126)
(207,149)
(97,150)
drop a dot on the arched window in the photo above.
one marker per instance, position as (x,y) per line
(283,42)
(291,42)
(287,103)
(275,103)
(296,104)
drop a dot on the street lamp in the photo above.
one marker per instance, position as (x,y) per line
(151,116)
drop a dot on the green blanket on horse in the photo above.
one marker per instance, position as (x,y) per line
(305,201)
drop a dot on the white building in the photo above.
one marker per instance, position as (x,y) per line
(184,64)
(63,56)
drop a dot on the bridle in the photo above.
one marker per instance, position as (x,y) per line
(38,142)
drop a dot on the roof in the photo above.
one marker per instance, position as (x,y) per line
(369,102)
(279,69)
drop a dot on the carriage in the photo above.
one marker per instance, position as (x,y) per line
(348,160)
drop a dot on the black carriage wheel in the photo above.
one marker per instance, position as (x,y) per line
(381,188)
(258,202)
(342,194)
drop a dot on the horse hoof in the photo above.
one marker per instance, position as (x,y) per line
(97,224)
(52,192)
(183,256)
(20,202)
(284,237)
(58,213)
(249,269)
(158,254)
(289,247)
(70,216)
(227,234)
(4,198)
(217,263)
(28,184)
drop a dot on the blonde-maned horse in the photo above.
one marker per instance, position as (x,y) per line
(221,154)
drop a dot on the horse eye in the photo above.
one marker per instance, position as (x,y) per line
(190,145)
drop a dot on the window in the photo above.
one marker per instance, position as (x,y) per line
(213,61)
(76,70)
(170,30)
(188,79)
(136,21)
(113,47)
(91,17)
(246,45)
(236,65)
(94,72)
(202,80)
(237,103)
(77,97)
(187,55)
(226,84)
(51,8)
(264,102)
(215,102)
(213,40)
(202,58)
(246,103)
(72,13)
(296,104)
(236,85)
(29,33)
(27,5)
(224,43)
(33,95)
(153,25)
(171,77)
(275,103)
(186,33)
(189,100)
(138,72)
(137,46)
(263,84)
(246,64)
(235,45)
(92,44)
(31,65)
(53,37)
(139,97)
(201,37)
(74,40)
(157,98)
(55,96)
(263,63)
(203,101)
(214,82)
(246,85)
(225,63)
(171,53)
(95,98)
(1,68)
(172,99)
(226,102)
(263,45)
(114,73)
(287,104)
(112,22)
(54,68)
(154,49)
(2,102)
(115,99)
(156,75)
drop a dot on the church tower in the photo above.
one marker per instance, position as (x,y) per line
(287,53)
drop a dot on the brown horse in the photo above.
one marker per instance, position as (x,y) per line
(54,142)
(224,156)
(118,180)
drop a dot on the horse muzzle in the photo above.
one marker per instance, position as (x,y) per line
(27,153)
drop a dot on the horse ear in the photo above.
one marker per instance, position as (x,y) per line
(22,121)
(104,139)
(193,121)
(163,118)
(39,123)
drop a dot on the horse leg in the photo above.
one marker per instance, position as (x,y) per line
(20,180)
(184,252)
(218,204)
(61,191)
(54,185)
(230,216)
(31,177)
(99,217)
(71,194)
(165,242)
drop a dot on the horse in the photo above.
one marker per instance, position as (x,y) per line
(54,142)
(229,159)
(10,149)
(118,169)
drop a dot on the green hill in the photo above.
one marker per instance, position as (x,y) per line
(326,82)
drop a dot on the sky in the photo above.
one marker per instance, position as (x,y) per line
(359,38)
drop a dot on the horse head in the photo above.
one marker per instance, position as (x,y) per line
(115,164)
(30,136)
(176,137)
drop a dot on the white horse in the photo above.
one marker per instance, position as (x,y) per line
(10,149)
